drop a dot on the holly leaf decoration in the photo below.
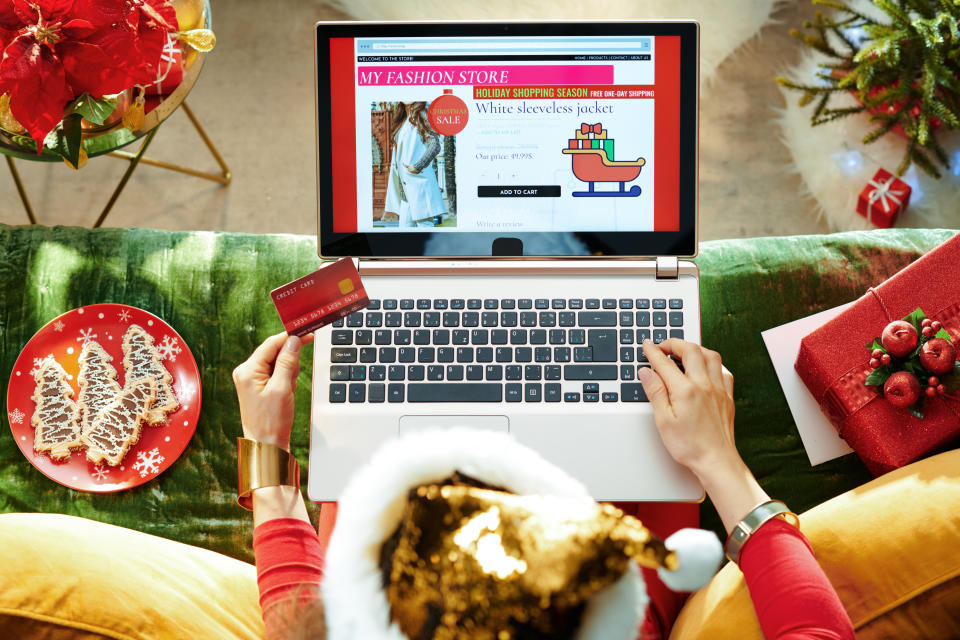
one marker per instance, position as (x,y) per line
(96,110)
(876,344)
(943,333)
(916,318)
(69,140)
(878,376)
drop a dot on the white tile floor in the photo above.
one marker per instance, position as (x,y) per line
(255,98)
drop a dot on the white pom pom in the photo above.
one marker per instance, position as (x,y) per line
(699,554)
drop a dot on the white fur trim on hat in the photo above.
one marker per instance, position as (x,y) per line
(372,504)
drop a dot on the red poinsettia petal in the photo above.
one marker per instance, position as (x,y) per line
(53,10)
(37,85)
(99,13)
(26,11)
(8,17)
(162,12)
(78,29)
(88,69)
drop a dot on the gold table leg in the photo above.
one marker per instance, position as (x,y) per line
(223,178)
(21,190)
(134,162)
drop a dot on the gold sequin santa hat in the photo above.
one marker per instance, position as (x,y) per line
(460,533)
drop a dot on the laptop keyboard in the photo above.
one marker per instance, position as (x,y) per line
(497,349)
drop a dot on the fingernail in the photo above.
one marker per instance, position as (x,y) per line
(644,374)
(292,343)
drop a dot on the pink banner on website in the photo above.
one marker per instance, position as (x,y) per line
(497,75)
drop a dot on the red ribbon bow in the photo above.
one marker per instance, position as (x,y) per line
(591,128)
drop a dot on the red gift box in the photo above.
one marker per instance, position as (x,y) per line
(883,199)
(169,70)
(834,363)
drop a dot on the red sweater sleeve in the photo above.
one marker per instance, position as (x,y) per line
(792,596)
(288,556)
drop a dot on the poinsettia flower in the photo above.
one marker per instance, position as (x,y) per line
(56,50)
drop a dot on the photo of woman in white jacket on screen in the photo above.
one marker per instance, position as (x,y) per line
(413,192)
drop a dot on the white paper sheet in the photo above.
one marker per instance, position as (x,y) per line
(819,437)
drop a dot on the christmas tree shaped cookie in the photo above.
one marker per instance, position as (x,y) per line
(117,427)
(140,360)
(56,417)
(98,382)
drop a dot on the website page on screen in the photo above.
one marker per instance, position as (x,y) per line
(505,134)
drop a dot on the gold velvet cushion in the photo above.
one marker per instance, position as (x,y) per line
(890,548)
(70,578)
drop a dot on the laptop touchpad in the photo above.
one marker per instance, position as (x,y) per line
(413,424)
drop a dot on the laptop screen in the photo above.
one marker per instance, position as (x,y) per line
(556,139)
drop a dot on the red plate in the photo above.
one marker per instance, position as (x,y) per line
(63,338)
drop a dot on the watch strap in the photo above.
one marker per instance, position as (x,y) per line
(754,520)
(263,465)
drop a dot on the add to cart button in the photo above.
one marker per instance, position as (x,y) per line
(522,191)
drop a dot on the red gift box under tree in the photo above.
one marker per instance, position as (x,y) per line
(883,199)
(834,365)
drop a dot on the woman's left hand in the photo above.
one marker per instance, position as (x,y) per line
(411,169)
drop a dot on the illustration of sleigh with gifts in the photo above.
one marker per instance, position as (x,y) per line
(591,153)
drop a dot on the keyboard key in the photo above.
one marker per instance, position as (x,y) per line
(571,397)
(341,337)
(494,371)
(548,318)
(576,336)
(490,303)
(593,303)
(567,319)
(377,372)
(632,392)
(411,319)
(445,354)
(357,392)
(518,336)
(339,372)
(440,305)
(455,372)
(426,354)
(407,354)
(508,318)
(421,336)
(489,319)
(504,354)
(390,304)
(575,303)
(659,335)
(626,336)
(609,303)
(406,304)
(590,372)
(558,303)
(479,336)
(551,392)
(514,392)
(558,336)
(355,320)
(523,354)
(525,303)
(441,336)
(374,319)
(416,372)
(363,336)
(393,319)
(474,372)
(396,372)
(591,397)
(582,354)
(643,318)
(643,334)
(676,303)
(382,336)
(561,354)
(659,318)
(337,323)
(470,319)
(474,303)
(541,354)
(552,372)
(498,336)
(541,303)
(368,355)
(378,392)
(642,303)
(659,303)
(676,333)
(343,354)
(508,303)
(434,372)
(374,304)
(431,319)
(676,318)
(358,373)
(513,372)
(484,354)
(423,304)
(641,356)
(591,387)
(626,303)
(609,396)
(338,392)
(451,319)
(465,354)
(604,344)
(458,303)
(394,393)
(532,392)
(626,318)
(597,318)
(461,336)
(626,372)
(528,319)
(532,372)
(538,336)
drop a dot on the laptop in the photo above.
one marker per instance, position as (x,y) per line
(520,199)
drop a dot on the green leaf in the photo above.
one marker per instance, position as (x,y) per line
(916,318)
(942,334)
(96,110)
(69,139)
(876,344)
(879,376)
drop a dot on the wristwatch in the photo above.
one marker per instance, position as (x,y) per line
(263,465)
(753,521)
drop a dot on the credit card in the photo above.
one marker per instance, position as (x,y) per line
(313,301)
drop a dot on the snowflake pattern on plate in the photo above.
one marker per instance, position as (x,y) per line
(123,316)
(86,335)
(37,362)
(17,416)
(99,473)
(58,326)
(168,348)
(148,462)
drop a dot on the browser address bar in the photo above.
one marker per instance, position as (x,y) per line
(487,45)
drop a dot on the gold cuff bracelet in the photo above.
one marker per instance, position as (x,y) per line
(263,465)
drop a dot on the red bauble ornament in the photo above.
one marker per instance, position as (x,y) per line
(937,356)
(899,338)
(902,389)
(448,114)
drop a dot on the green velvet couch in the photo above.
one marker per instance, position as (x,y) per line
(213,288)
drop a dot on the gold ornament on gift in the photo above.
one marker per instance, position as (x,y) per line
(202,40)
(134,116)
(471,563)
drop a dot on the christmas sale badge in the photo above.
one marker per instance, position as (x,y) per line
(315,300)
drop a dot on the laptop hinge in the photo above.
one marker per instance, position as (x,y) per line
(668,268)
